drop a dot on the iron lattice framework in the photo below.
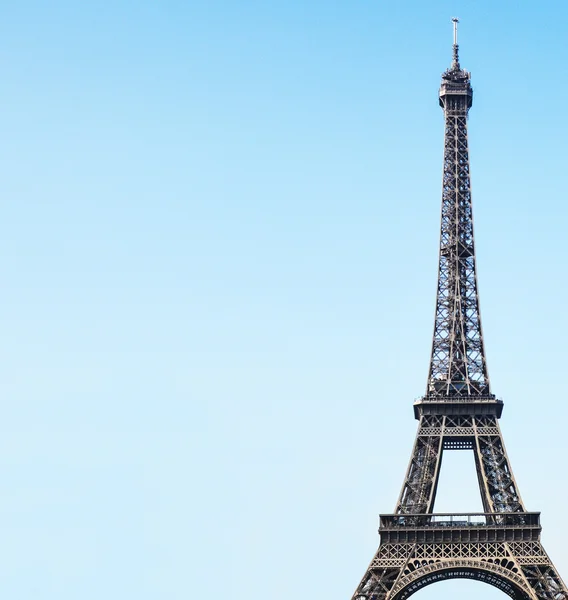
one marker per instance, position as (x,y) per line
(457,366)
(500,546)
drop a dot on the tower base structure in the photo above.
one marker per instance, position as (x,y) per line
(501,549)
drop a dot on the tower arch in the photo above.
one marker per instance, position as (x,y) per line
(502,574)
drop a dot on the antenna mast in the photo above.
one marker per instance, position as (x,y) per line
(456,60)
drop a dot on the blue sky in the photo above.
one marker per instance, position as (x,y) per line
(219,241)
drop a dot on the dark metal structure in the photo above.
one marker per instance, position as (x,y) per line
(458,412)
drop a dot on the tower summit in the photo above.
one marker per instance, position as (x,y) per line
(500,546)
(458,367)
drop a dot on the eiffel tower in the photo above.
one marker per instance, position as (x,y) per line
(500,546)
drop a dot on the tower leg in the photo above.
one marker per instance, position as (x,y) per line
(419,487)
(538,570)
(496,481)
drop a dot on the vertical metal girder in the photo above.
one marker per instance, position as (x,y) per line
(497,483)
(421,481)
(377,583)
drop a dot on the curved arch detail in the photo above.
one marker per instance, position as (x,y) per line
(505,579)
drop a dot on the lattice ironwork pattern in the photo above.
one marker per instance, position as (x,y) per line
(419,488)
(480,434)
(458,366)
(501,546)
(544,580)
(521,569)
(499,490)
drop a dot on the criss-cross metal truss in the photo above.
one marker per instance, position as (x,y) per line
(479,433)
(502,545)
(458,366)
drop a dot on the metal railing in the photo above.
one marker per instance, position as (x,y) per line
(459,399)
(517,519)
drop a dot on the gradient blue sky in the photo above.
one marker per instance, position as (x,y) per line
(219,241)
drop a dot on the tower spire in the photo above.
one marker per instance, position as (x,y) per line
(456,58)
(457,366)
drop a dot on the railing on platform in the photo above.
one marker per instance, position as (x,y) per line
(460,399)
(516,519)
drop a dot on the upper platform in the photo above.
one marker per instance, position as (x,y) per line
(456,85)
(456,405)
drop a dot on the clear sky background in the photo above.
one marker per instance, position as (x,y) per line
(219,252)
